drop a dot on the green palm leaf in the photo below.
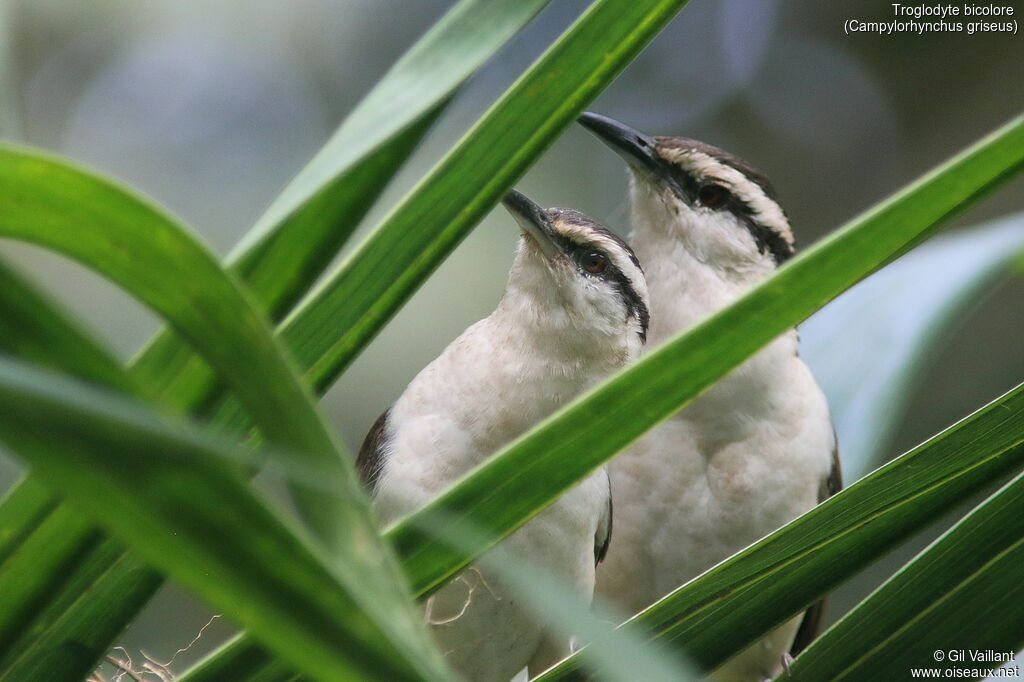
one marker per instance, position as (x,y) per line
(104,227)
(961,594)
(131,242)
(187,510)
(730,605)
(34,329)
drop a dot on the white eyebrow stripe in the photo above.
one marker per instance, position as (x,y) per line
(705,166)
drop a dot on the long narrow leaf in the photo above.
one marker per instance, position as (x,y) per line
(959,597)
(132,243)
(50,556)
(532,471)
(186,509)
(245,660)
(55,554)
(129,241)
(730,605)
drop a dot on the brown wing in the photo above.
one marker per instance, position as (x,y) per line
(814,617)
(371,455)
(603,537)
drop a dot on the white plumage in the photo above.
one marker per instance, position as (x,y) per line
(556,331)
(755,450)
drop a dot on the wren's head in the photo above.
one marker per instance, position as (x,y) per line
(576,280)
(715,204)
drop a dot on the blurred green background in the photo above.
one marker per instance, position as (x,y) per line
(211,107)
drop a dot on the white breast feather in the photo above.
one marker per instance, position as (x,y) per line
(738,462)
(482,392)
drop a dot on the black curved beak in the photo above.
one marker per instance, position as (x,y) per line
(636,148)
(532,220)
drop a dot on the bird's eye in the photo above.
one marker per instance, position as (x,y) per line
(713,196)
(593,261)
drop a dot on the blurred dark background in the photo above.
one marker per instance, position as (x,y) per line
(212,106)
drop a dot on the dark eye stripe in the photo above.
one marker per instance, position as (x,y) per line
(635,306)
(768,240)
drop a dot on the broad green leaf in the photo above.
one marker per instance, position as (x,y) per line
(51,539)
(51,550)
(529,473)
(68,566)
(131,242)
(731,604)
(893,322)
(81,216)
(186,509)
(50,556)
(280,262)
(961,594)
